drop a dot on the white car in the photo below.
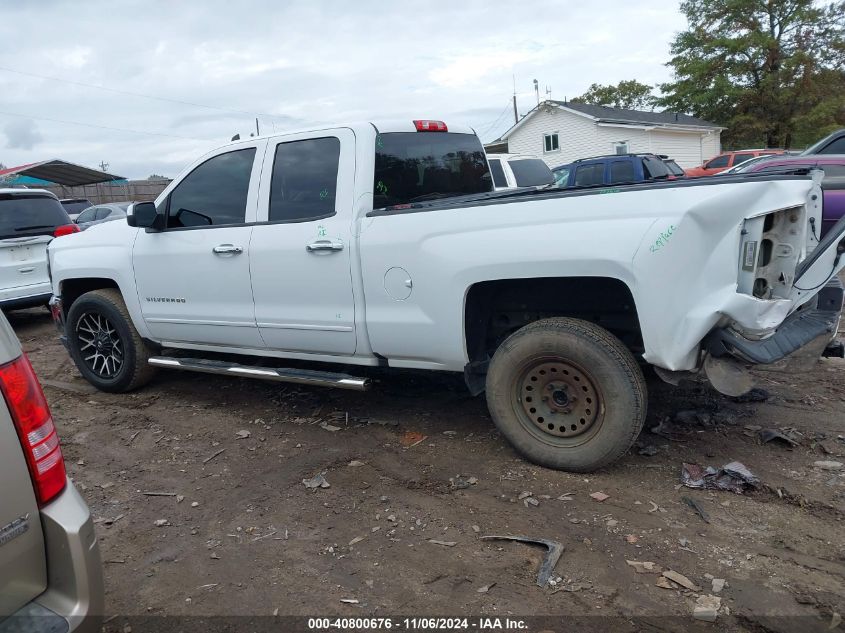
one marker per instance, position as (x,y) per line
(511,171)
(29,220)
(382,244)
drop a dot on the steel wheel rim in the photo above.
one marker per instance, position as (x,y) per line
(100,345)
(558,401)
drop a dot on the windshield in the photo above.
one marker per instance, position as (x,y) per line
(561,175)
(654,167)
(23,215)
(417,166)
(531,172)
(750,165)
(674,168)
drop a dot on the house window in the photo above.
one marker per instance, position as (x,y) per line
(550,143)
(621,147)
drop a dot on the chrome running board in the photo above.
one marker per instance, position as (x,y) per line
(299,376)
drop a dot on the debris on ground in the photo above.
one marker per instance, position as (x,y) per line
(161,522)
(828,465)
(410,439)
(210,457)
(755,395)
(681,580)
(551,558)
(485,588)
(317,481)
(575,586)
(665,583)
(443,543)
(692,503)
(530,501)
(645,567)
(355,463)
(707,608)
(329,427)
(664,430)
(733,476)
(242,434)
(631,538)
(349,600)
(599,496)
(107,522)
(357,539)
(649,450)
(769,435)
(717,584)
(459,482)
(694,416)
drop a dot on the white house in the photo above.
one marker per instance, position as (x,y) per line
(560,132)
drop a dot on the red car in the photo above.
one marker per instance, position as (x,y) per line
(726,160)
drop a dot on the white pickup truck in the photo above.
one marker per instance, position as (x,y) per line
(384,244)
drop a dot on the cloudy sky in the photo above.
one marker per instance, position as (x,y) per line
(147,86)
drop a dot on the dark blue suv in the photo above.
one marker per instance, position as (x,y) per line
(614,169)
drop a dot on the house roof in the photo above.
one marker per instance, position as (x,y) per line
(621,116)
(61,173)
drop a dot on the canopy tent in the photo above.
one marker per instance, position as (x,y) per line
(61,173)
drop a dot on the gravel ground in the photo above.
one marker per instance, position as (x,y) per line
(417,473)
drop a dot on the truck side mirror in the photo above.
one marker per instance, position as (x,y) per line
(144,215)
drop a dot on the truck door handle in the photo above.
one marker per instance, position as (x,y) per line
(227,249)
(324,245)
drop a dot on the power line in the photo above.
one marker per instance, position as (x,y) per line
(103,127)
(136,94)
(489,128)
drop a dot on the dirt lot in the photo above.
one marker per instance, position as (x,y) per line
(245,536)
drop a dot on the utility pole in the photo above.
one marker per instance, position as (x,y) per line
(257,133)
(104,165)
(515,113)
(537,91)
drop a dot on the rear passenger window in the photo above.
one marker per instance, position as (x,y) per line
(587,175)
(621,171)
(498,173)
(214,193)
(304,184)
(89,215)
(531,172)
(741,158)
(719,161)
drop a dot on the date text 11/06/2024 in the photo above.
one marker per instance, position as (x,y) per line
(418,624)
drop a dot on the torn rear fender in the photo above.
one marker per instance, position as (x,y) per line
(698,273)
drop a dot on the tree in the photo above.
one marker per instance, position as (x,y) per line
(771,71)
(629,94)
(156,177)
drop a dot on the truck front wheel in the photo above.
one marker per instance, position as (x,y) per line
(567,394)
(104,343)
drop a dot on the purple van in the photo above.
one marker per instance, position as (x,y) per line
(833,184)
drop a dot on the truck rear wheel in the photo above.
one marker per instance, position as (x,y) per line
(104,343)
(567,394)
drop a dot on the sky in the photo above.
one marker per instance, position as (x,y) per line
(157,84)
